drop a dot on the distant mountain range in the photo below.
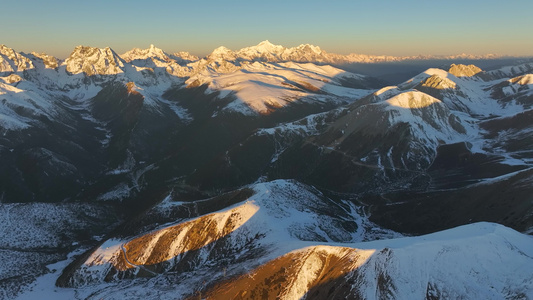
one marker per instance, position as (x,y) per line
(265,172)
(264,51)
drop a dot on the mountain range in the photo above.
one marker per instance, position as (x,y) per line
(267,172)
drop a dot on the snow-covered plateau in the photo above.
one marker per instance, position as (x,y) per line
(263,173)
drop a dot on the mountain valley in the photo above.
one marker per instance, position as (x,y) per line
(267,172)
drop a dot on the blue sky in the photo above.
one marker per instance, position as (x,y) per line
(408,27)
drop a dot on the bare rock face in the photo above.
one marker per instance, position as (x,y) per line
(13,78)
(49,61)
(461,70)
(11,61)
(94,61)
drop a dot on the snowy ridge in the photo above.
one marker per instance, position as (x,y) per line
(454,263)
(466,94)
(105,61)
(523,80)
(143,54)
(487,258)
(430,118)
(281,215)
(508,72)
(438,107)
(515,86)
(166,246)
(464,262)
(155,53)
(221,54)
(154,58)
(260,87)
(427,121)
(153,69)
(266,51)
(19,108)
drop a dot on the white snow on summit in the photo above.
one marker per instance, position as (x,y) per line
(94,61)
(472,260)
(152,52)
(266,51)
(260,87)
(11,61)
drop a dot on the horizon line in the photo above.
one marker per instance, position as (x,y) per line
(411,56)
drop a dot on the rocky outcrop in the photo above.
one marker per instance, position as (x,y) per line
(464,70)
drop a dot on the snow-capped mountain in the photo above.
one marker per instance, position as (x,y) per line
(253,85)
(142,54)
(155,58)
(508,71)
(266,51)
(122,173)
(458,263)
(430,123)
(11,61)
(275,215)
(94,61)
(309,240)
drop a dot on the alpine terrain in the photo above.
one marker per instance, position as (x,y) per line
(264,173)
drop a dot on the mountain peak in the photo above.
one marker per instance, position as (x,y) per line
(4,48)
(276,53)
(156,51)
(82,50)
(267,46)
(143,54)
(308,47)
(265,43)
(461,70)
(262,51)
(12,61)
(221,50)
(222,53)
(412,100)
(94,61)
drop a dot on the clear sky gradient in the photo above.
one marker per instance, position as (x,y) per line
(391,27)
